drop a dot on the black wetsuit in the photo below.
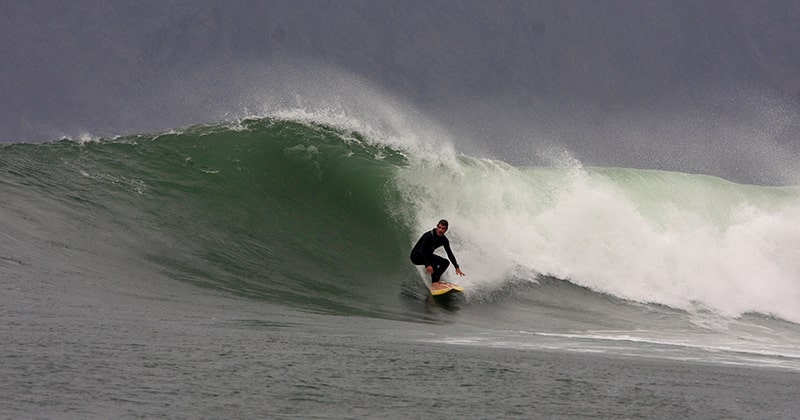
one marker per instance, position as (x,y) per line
(422,254)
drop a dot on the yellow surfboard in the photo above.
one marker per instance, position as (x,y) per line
(443,288)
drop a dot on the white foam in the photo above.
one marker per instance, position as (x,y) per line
(573,224)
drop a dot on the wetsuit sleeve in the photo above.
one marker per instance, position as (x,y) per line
(450,255)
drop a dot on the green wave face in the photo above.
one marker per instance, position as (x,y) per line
(273,209)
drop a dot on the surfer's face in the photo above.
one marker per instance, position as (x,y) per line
(441,229)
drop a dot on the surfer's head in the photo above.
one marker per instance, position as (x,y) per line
(441,228)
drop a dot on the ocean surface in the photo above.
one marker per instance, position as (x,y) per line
(258,267)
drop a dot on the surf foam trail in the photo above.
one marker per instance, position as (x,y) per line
(308,214)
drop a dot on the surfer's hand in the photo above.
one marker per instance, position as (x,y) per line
(429,269)
(459,272)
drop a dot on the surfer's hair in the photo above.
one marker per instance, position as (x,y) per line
(444,223)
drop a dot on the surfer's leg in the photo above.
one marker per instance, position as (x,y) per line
(439,267)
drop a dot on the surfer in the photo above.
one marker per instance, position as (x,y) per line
(422,254)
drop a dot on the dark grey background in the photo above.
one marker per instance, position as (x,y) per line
(700,86)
